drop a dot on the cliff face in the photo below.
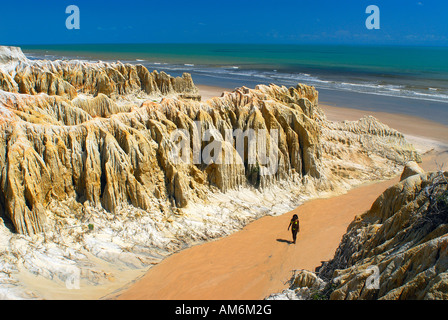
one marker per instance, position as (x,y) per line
(396,250)
(55,149)
(90,144)
(69,78)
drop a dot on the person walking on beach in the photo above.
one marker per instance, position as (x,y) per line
(295,227)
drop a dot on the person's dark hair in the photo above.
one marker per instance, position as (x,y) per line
(295,217)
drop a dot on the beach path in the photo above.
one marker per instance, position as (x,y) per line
(258,260)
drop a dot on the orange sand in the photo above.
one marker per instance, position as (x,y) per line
(258,260)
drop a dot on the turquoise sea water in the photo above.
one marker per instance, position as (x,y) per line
(417,74)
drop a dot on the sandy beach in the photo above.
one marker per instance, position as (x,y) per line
(159,151)
(259,260)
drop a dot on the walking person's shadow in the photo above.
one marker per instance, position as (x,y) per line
(286,241)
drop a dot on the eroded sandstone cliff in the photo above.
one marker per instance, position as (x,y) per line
(55,149)
(86,160)
(69,78)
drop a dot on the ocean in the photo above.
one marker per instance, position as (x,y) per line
(409,80)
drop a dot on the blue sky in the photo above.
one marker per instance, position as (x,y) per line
(403,22)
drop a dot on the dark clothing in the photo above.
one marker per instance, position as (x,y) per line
(295,226)
(294,235)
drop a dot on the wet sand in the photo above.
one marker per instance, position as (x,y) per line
(258,260)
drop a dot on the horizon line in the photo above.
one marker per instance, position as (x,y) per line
(234,43)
